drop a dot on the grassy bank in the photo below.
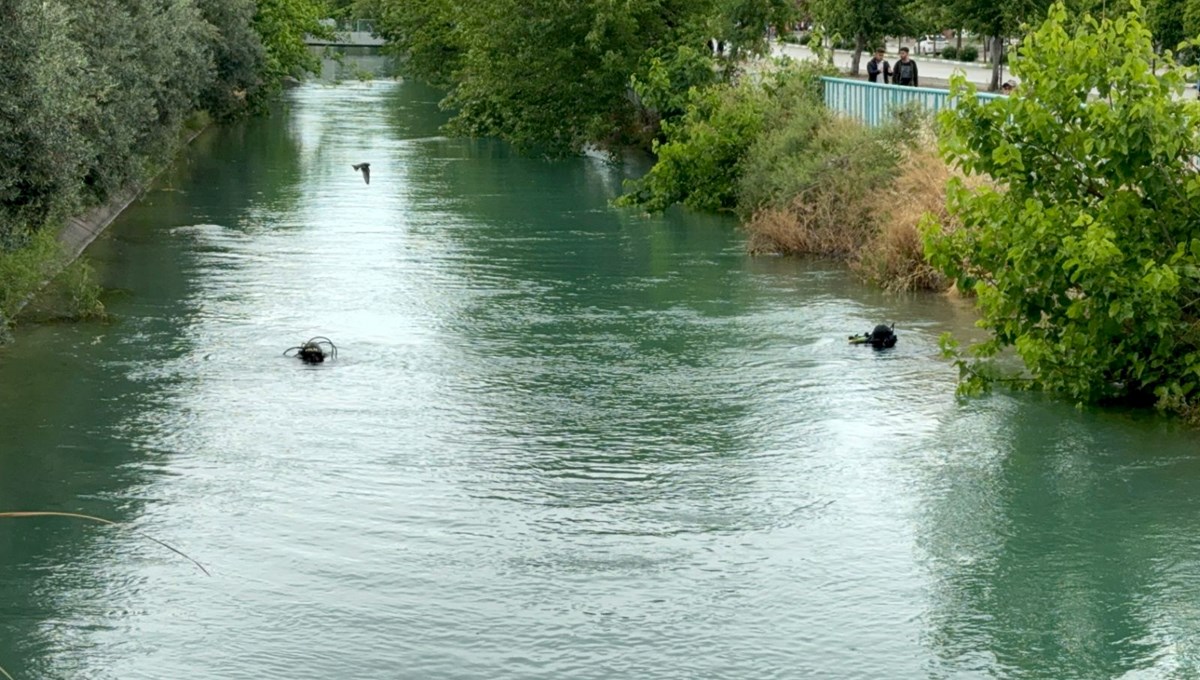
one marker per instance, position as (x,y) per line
(804,181)
(41,280)
(41,283)
(24,271)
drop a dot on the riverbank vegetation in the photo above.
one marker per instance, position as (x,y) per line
(94,96)
(1085,254)
(802,180)
(1068,209)
(554,77)
(730,131)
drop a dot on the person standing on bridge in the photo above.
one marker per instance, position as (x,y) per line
(905,71)
(878,67)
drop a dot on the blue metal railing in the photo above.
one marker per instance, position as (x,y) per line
(872,103)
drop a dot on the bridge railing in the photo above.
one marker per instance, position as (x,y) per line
(872,103)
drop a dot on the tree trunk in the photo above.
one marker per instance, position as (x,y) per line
(958,42)
(997,50)
(860,42)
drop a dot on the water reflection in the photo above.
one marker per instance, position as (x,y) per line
(1059,544)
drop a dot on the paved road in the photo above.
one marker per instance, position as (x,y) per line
(935,70)
(931,69)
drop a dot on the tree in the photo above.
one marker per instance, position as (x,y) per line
(93,93)
(1085,254)
(996,20)
(1164,18)
(238,58)
(554,76)
(424,35)
(867,21)
(743,24)
(147,63)
(42,101)
(282,25)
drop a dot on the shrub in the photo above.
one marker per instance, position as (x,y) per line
(72,295)
(701,161)
(698,165)
(969,53)
(894,256)
(777,165)
(804,38)
(950,52)
(823,206)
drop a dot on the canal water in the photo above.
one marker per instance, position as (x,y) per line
(560,440)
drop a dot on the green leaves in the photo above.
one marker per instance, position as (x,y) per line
(93,93)
(552,76)
(741,145)
(282,25)
(1086,248)
(870,19)
(699,164)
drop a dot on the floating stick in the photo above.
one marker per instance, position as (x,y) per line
(75,515)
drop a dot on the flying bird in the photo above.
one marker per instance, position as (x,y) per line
(366,171)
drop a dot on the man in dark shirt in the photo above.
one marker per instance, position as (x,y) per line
(877,67)
(905,70)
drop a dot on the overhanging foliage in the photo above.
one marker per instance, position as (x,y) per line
(1085,254)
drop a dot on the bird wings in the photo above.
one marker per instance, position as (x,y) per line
(366,171)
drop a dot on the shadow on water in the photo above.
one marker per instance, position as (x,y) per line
(1061,544)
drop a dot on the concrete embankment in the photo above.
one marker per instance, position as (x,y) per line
(80,231)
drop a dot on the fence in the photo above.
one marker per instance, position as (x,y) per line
(872,102)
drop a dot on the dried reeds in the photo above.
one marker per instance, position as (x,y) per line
(829,212)
(869,219)
(894,256)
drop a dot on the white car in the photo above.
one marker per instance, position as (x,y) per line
(932,44)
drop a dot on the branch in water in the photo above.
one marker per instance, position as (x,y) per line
(177,551)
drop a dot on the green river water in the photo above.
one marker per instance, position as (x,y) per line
(561,440)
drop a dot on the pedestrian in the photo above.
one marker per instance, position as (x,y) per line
(877,67)
(1007,88)
(904,72)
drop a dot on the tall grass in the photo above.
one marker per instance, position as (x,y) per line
(810,183)
(829,186)
(24,269)
(893,257)
(823,206)
(37,282)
